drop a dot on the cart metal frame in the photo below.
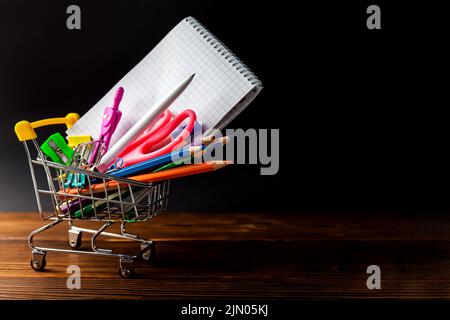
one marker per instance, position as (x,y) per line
(129,202)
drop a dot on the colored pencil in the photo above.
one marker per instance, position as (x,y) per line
(174,173)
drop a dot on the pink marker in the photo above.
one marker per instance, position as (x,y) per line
(111,118)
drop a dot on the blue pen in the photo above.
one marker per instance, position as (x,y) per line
(155,162)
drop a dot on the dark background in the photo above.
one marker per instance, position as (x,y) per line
(362,113)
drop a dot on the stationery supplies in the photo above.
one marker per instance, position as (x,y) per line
(157,140)
(83,154)
(111,118)
(83,158)
(223,85)
(187,170)
(197,154)
(174,173)
(137,199)
(169,166)
(72,205)
(96,206)
(75,180)
(139,127)
(135,202)
(175,164)
(180,162)
(56,148)
(155,162)
(155,122)
(196,135)
(73,141)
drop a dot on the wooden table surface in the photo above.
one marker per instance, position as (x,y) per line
(252,256)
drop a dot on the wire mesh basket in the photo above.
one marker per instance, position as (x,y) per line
(77,192)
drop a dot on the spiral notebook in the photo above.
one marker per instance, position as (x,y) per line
(222,87)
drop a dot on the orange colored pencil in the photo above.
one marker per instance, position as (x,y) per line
(174,173)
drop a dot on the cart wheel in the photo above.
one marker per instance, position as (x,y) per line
(150,254)
(75,239)
(38,261)
(126,268)
(126,273)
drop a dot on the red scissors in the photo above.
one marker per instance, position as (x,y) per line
(156,139)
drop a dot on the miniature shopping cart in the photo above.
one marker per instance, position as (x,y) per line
(126,201)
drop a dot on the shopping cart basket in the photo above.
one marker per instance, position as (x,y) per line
(126,201)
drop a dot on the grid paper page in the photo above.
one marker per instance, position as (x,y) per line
(215,93)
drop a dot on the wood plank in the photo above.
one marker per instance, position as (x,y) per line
(253,256)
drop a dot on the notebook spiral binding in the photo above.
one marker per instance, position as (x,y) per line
(224,51)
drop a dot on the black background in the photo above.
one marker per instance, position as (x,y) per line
(362,113)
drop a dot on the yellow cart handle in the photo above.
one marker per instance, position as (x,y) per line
(25,130)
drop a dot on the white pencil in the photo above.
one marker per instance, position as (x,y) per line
(140,126)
